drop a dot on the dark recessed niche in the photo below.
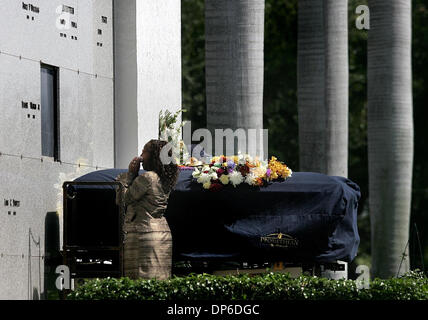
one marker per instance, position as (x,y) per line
(28,17)
(103,19)
(28,115)
(15,203)
(100,31)
(6,202)
(24,104)
(33,106)
(28,6)
(14,213)
(34,8)
(74,24)
(34,117)
(32,18)
(49,117)
(67,9)
(8,212)
(38,107)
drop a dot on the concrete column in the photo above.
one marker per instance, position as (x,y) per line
(234,35)
(147,58)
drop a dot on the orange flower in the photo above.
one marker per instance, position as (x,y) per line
(249,165)
(278,169)
(259,181)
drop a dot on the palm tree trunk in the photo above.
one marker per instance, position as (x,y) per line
(336,86)
(390,133)
(234,35)
(310,86)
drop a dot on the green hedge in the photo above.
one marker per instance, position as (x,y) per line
(269,286)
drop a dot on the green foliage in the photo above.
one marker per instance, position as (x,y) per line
(420,114)
(280,81)
(268,286)
(193,61)
(280,99)
(358,155)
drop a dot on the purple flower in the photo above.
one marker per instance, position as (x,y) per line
(229,170)
(268,172)
(230,164)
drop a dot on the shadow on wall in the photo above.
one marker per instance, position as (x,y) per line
(35,294)
(52,255)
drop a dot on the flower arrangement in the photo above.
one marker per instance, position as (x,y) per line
(170,130)
(238,169)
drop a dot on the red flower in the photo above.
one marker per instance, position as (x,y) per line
(215,186)
(220,172)
(244,170)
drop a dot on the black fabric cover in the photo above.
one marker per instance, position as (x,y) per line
(309,217)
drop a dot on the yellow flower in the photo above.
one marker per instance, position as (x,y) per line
(278,169)
(224,178)
(259,172)
(207,185)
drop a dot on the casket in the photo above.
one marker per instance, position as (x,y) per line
(308,218)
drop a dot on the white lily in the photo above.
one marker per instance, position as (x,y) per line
(213,176)
(204,177)
(196,173)
(236,178)
(250,179)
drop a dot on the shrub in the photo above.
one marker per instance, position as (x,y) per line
(269,286)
